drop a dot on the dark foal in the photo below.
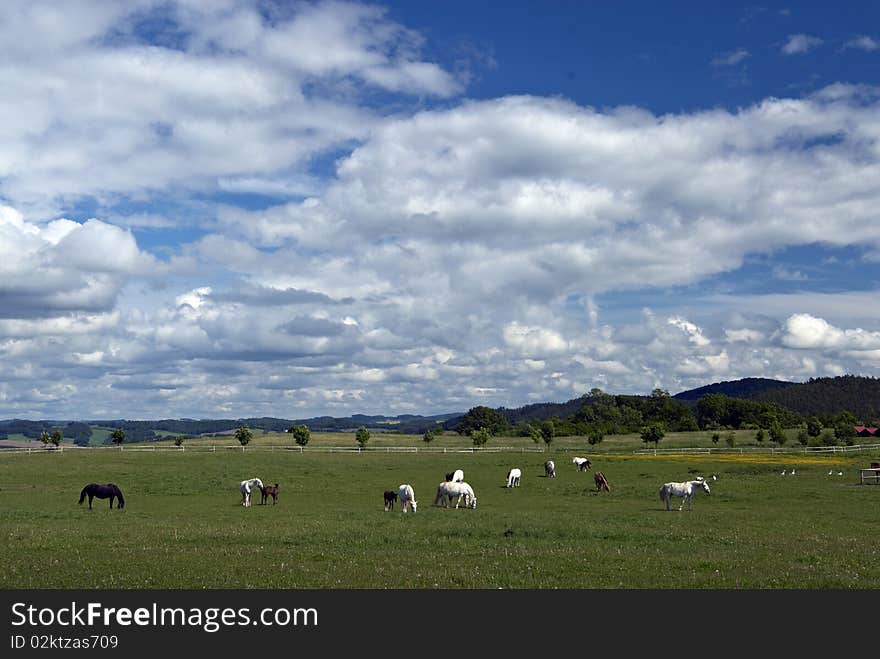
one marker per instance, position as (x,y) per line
(270,490)
(390,498)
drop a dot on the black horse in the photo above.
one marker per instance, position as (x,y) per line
(390,498)
(108,491)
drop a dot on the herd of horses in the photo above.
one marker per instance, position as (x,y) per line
(452,487)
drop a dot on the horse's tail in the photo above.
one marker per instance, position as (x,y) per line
(82,495)
(662,493)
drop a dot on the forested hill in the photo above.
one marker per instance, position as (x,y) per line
(745,388)
(541,411)
(851,393)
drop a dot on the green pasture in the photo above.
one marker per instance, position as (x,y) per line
(183,526)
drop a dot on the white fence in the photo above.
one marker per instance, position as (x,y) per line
(213,448)
(760,449)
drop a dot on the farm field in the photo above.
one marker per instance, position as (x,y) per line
(610,443)
(183,526)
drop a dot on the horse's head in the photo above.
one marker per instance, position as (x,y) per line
(473,502)
(414,504)
(705,486)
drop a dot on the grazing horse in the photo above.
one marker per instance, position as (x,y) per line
(513,477)
(601,482)
(582,463)
(108,491)
(270,490)
(390,498)
(684,490)
(462,491)
(550,469)
(456,476)
(246,487)
(407,497)
(442,493)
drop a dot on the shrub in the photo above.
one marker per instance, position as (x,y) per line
(480,436)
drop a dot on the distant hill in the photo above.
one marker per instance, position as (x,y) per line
(846,393)
(744,388)
(541,411)
(858,395)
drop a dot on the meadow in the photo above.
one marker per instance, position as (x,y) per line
(183,526)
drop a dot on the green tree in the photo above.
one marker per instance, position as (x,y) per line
(730,439)
(56,437)
(428,437)
(715,437)
(827,437)
(814,426)
(362,436)
(178,441)
(803,437)
(548,432)
(777,434)
(595,436)
(534,433)
(652,433)
(482,417)
(301,434)
(845,432)
(711,410)
(117,436)
(243,434)
(480,436)
(44,437)
(759,436)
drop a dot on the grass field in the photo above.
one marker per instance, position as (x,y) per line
(183,526)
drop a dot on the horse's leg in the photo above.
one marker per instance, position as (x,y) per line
(91,496)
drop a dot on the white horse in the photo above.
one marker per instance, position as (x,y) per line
(246,487)
(582,463)
(407,497)
(462,491)
(684,490)
(513,477)
(550,469)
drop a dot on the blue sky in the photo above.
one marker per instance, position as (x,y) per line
(236,208)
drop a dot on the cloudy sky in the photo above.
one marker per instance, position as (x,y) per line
(234,208)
